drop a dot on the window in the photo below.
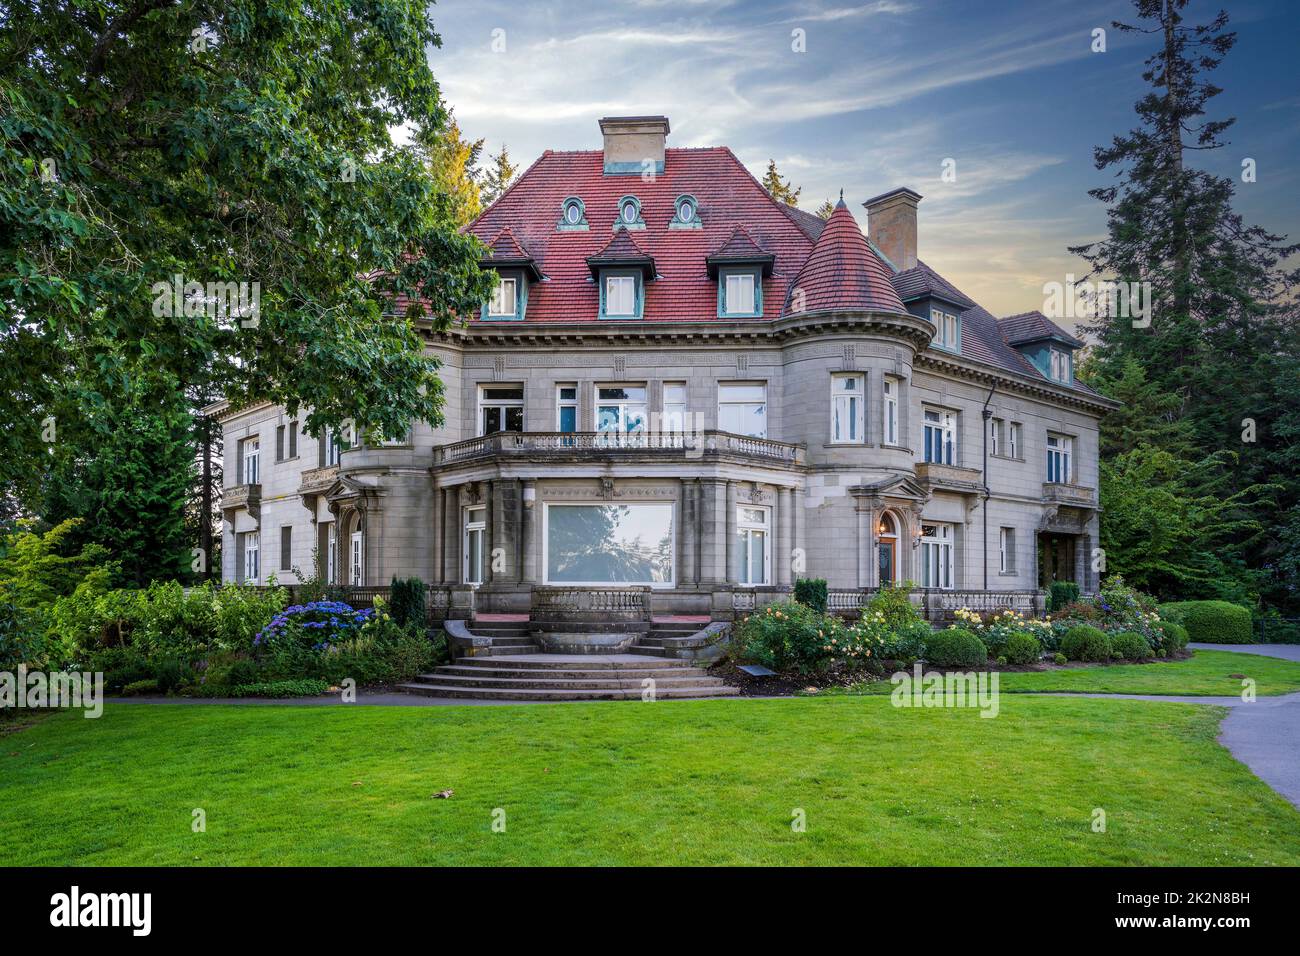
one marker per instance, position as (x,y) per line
(947,330)
(358,559)
(674,407)
(619,296)
(251,472)
(890,424)
(936,556)
(608,544)
(995,432)
(331,553)
(621,409)
(501,409)
(887,549)
(279,443)
(629,213)
(1013,440)
(848,408)
(686,216)
(1060,365)
(1058,459)
(742,409)
(475,538)
(333,447)
(293,439)
(566,403)
(252,564)
(739,293)
(1006,550)
(572,215)
(503,303)
(753,528)
(286,547)
(940,437)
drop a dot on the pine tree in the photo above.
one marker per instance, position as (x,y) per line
(825,209)
(1220,350)
(454,165)
(500,174)
(780,189)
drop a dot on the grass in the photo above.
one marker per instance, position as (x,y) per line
(1205,674)
(692,782)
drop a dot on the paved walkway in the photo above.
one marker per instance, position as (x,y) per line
(1290,652)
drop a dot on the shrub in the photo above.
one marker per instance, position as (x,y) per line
(892,606)
(406,603)
(789,636)
(171,673)
(140,687)
(955,648)
(995,628)
(280,688)
(1086,643)
(1022,648)
(1060,594)
(812,592)
(1212,622)
(1173,636)
(1130,645)
(1059,658)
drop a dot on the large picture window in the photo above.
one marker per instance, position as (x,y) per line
(609,544)
(936,556)
(742,408)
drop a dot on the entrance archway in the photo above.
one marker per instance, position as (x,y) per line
(887,549)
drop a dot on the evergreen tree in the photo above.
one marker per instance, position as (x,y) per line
(1219,358)
(780,189)
(453,161)
(825,209)
(500,174)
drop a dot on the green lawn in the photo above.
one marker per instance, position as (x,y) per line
(1206,674)
(703,782)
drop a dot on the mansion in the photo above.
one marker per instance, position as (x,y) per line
(688,390)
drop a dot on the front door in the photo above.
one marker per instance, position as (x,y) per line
(886,549)
(1055,558)
(356,559)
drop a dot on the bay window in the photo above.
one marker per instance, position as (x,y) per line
(848,408)
(742,408)
(940,436)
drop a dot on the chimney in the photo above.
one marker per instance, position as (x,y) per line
(633,143)
(891,225)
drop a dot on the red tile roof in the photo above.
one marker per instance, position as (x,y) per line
(740,247)
(727,194)
(843,273)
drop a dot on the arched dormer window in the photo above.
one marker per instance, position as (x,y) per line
(687,214)
(573,215)
(629,213)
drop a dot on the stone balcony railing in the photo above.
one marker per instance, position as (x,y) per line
(939,605)
(949,477)
(567,445)
(316,481)
(1074,495)
(246,497)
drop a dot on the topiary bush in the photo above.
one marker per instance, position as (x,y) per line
(1060,594)
(1021,649)
(1130,645)
(1211,622)
(955,648)
(1086,643)
(813,593)
(1173,636)
(406,603)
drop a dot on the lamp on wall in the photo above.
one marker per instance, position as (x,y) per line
(916,537)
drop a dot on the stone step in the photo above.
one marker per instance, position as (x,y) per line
(534,673)
(508,651)
(537,682)
(567,662)
(499,632)
(486,693)
(650,650)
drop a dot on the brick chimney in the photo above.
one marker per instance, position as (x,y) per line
(633,143)
(891,225)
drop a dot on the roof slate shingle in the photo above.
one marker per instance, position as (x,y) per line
(843,273)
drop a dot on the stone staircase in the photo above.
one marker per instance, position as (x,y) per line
(555,677)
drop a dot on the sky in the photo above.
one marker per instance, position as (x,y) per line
(881,95)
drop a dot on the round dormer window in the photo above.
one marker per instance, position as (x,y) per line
(572,214)
(629,212)
(686,211)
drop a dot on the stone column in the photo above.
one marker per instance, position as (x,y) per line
(495,534)
(528,533)
(733,557)
(697,529)
(784,536)
(686,531)
(797,518)
(713,550)
(456,561)
(866,516)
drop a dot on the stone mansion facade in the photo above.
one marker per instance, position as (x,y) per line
(685,389)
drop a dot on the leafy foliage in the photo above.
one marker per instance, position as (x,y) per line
(1022,649)
(1086,643)
(955,647)
(1212,622)
(812,592)
(780,189)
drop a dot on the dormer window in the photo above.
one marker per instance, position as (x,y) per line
(629,213)
(740,292)
(502,304)
(620,295)
(947,330)
(1060,366)
(573,215)
(687,215)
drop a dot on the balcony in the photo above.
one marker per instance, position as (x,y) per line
(1075,496)
(316,481)
(245,497)
(937,477)
(619,446)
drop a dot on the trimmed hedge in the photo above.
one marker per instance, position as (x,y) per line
(813,593)
(1086,643)
(1211,622)
(1175,635)
(1130,645)
(1022,648)
(1060,594)
(955,648)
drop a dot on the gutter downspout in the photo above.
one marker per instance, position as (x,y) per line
(985,414)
